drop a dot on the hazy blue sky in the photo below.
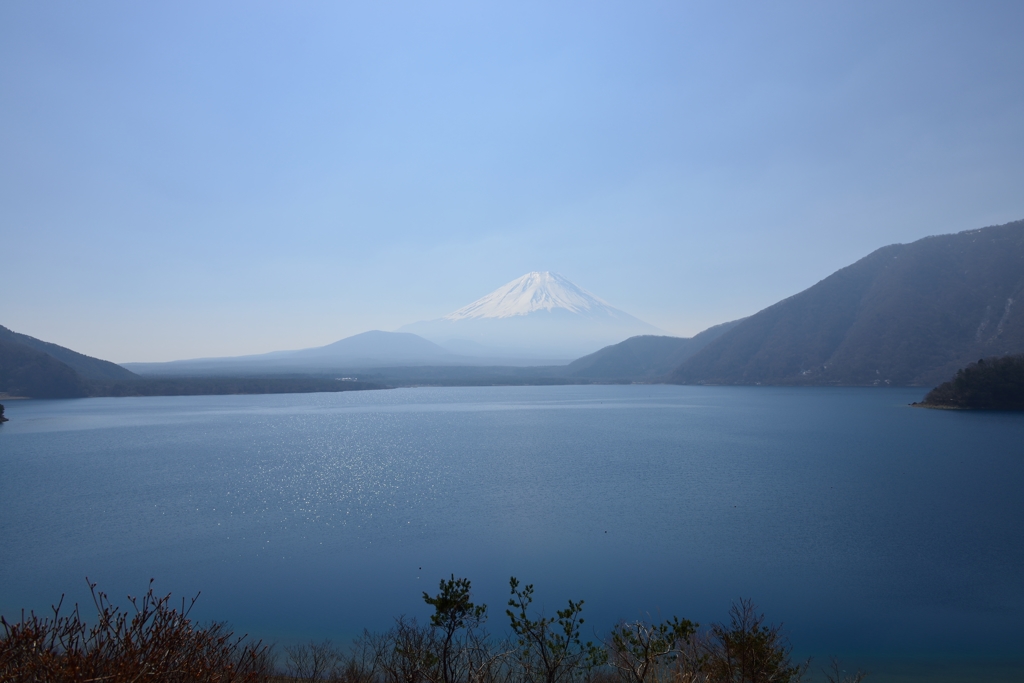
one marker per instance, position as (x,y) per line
(219,178)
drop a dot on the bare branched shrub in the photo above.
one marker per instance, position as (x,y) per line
(363,662)
(156,643)
(408,653)
(835,673)
(312,662)
(489,660)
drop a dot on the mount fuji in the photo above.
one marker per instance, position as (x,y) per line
(539,315)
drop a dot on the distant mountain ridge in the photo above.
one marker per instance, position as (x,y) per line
(376,346)
(31,368)
(906,314)
(540,314)
(367,349)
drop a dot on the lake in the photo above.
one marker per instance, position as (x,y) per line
(891,536)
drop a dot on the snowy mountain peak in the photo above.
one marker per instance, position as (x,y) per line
(540,315)
(537,291)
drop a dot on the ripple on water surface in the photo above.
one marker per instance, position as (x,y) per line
(870,528)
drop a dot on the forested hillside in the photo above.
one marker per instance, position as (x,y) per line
(86,366)
(907,314)
(27,372)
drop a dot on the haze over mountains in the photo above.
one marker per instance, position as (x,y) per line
(907,314)
(367,349)
(539,318)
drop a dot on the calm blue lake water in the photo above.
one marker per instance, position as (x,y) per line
(883,533)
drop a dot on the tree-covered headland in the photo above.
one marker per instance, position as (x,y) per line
(989,384)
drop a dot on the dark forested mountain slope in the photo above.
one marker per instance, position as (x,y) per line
(86,366)
(38,369)
(907,314)
(25,371)
(644,356)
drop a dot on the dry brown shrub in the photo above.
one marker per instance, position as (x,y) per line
(157,642)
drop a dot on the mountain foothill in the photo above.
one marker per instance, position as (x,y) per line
(905,315)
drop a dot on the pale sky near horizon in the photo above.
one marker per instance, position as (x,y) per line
(194,179)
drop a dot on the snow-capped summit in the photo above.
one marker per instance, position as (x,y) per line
(536,291)
(539,315)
